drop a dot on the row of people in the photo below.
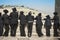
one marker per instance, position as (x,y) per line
(11,23)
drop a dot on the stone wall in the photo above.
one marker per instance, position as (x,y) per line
(57,7)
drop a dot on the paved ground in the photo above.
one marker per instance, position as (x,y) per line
(31,38)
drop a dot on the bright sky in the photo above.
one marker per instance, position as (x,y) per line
(47,6)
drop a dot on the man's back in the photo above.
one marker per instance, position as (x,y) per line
(14,17)
(30,18)
(6,18)
(22,19)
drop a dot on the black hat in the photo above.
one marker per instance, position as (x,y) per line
(48,16)
(55,13)
(21,12)
(29,13)
(14,9)
(39,14)
(6,11)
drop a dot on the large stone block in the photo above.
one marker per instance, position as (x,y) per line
(57,7)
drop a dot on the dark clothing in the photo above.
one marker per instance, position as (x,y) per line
(13,17)
(30,29)
(1,26)
(13,29)
(13,22)
(22,30)
(56,22)
(47,32)
(47,26)
(55,32)
(47,23)
(22,24)
(56,25)
(39,25)
(30,20)
(22,19)
(6,33)
(6,24)
(5,19)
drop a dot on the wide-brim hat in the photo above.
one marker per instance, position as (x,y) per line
(21,12)
(14,9)
(55,13)
(6,11)
(48,16)
(30,13)
(39,14)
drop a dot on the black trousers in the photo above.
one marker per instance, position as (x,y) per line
(22,30)
(6,26)
(55,27)
(47,32)
(55,32)
(38,30)
(1,30)
(30,29)
(13,29)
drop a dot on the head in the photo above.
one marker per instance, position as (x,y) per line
(39,14)
(14,9)
(5,11)
(21,12)
(29,13)
(55,13)
(48,16)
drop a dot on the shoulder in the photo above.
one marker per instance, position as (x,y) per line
(3,15)
(24,15)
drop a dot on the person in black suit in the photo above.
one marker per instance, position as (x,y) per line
(6,22)
(56,23)
(1,25)
(29,19)
(13,21)
(39,25)
(47,25)
(22,19)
